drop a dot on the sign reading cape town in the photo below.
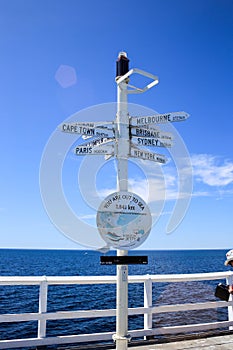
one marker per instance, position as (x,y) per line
(124,220)
(97,129)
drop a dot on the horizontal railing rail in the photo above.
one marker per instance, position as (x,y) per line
(56,280)
(148,310)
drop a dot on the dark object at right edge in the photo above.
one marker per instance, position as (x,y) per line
(222,292)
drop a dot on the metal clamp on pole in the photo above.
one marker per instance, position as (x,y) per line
(127,338)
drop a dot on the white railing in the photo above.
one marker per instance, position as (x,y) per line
(148,310)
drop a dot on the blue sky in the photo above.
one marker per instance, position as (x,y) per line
(58,58)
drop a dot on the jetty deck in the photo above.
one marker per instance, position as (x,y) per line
(213,343)
(209,343)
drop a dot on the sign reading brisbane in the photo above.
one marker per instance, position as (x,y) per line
(124,220)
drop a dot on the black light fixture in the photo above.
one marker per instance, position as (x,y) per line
(122,64)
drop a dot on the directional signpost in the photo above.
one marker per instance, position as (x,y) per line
(124,219)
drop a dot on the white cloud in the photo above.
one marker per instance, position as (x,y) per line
(87,216)
(154,188)
(169,182)
(104,192)
(201,194)
(208,170)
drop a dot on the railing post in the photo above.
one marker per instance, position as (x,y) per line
(230,308)
(148,303)
(42,307)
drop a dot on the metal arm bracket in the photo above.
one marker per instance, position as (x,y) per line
(134,89)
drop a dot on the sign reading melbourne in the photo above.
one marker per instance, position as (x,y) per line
(159,118)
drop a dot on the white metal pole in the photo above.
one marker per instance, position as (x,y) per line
(122,154)
(122,137)
(122,123)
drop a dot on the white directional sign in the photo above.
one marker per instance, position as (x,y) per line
(87,129)
(150,142)
(146,155)
(99,142)
(104,149)
(103,133)
(103,125)
(150,132)
(159,119)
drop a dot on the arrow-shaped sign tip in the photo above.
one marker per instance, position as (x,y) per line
(187,115)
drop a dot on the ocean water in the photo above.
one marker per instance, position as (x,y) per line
(21,299)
